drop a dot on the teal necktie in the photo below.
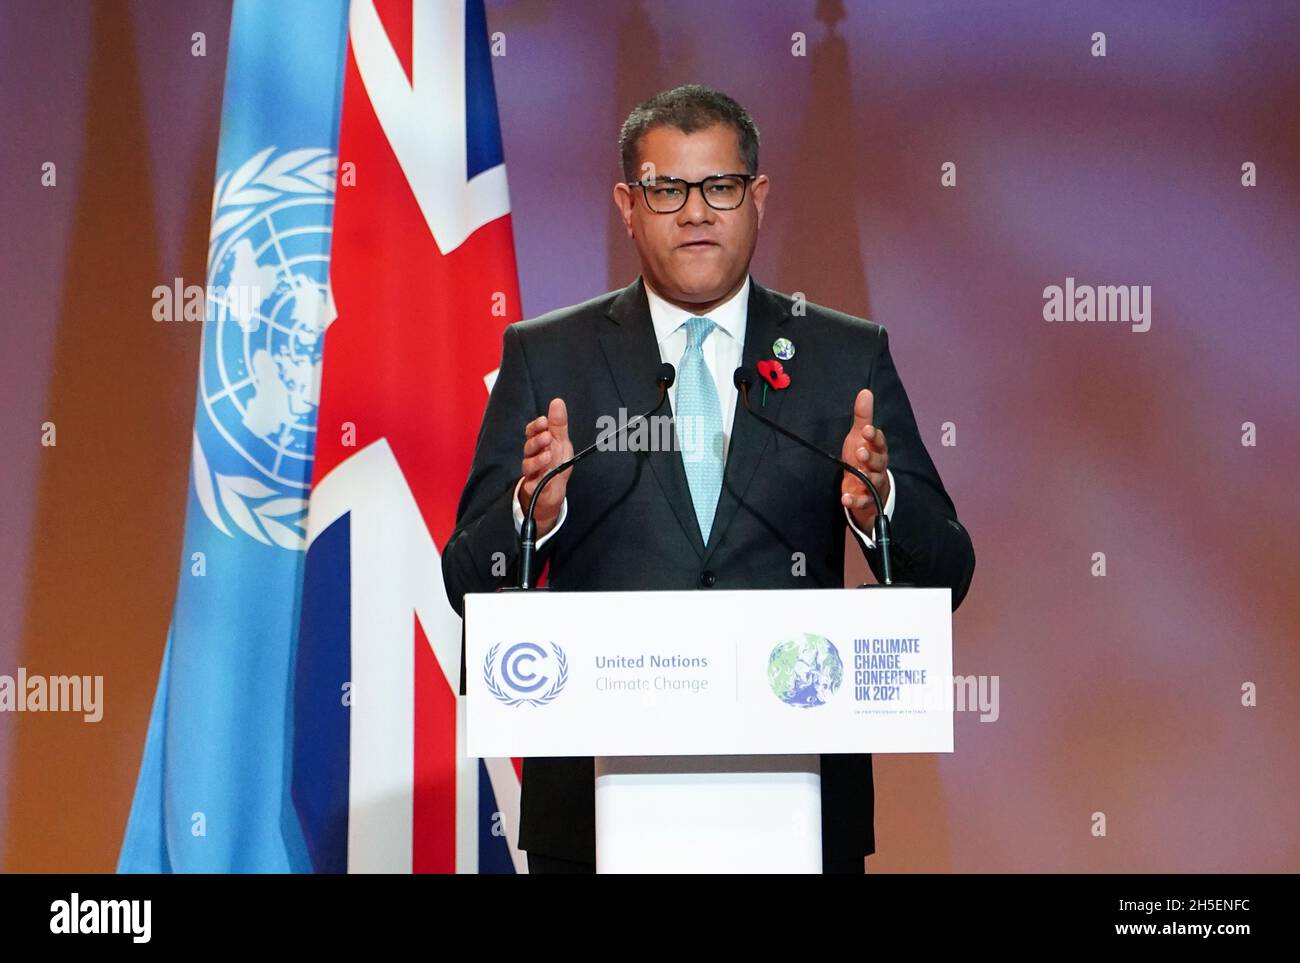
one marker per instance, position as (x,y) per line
(699,417)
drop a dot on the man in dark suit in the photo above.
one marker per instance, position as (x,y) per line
(739,507)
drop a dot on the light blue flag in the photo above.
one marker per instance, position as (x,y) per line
(213,790)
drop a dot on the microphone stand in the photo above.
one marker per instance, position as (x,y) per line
(742,382)
(528,531)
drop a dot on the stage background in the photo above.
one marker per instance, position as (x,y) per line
(1118,694)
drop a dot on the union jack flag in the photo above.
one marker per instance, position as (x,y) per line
(424,282)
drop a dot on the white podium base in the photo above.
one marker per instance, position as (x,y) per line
(708,814)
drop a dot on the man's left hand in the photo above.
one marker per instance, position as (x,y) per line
(864,447)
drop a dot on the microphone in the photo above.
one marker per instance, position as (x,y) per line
(742,380)
(664,378)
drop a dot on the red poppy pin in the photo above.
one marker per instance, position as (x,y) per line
(773,374)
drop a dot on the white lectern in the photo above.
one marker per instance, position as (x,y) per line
(707,712)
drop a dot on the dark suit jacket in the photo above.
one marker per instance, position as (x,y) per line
(631,524)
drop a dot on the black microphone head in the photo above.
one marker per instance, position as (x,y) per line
(667,375)
(741,378)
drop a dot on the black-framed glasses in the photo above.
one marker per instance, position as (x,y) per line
(667,195)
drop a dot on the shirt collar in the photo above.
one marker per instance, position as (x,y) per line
(730,316)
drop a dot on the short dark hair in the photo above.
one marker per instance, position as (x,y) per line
(688,108)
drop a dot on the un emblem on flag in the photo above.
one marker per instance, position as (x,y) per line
(268,305)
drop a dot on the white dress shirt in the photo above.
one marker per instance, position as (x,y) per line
(723,350)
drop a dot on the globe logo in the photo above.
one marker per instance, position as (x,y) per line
(267,313)
(805,672)
(268,306)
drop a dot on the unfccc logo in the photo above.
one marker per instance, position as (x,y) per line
(524,676)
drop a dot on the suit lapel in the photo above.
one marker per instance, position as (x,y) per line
(632,353)
(749,438)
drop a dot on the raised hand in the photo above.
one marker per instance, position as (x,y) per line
(546,444)
(865,447)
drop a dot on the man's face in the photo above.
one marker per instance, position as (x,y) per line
(697,257)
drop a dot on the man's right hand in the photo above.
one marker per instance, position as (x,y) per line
(546,444)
